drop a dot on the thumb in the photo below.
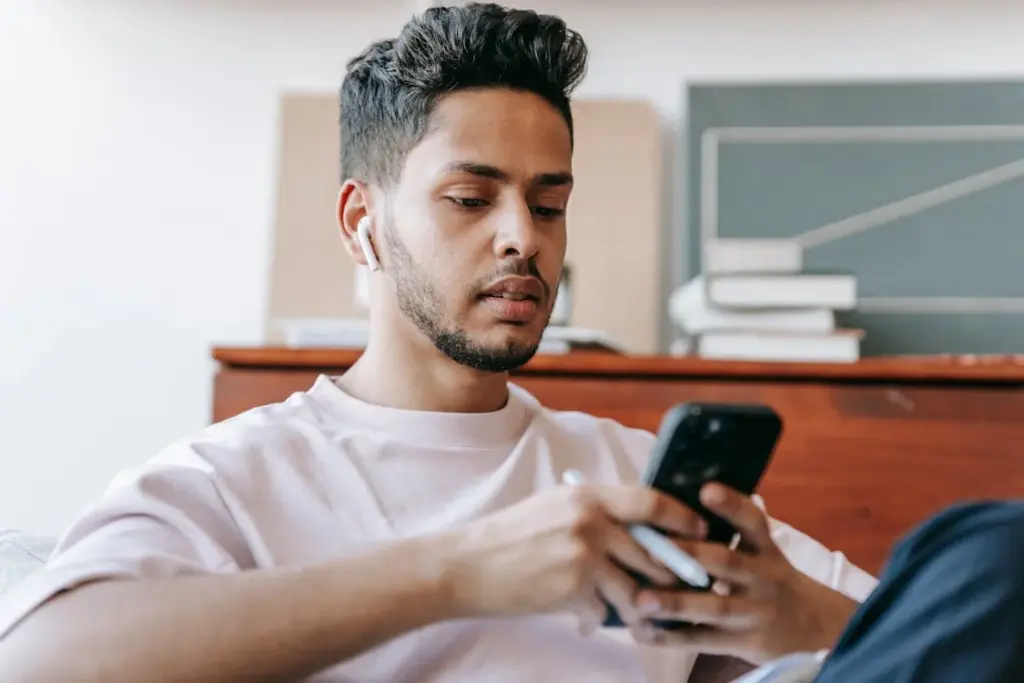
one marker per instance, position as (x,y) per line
(591,613)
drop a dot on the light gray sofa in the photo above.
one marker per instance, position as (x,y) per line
(21,554)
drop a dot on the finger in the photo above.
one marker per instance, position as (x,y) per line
(742,513)
(706,640)
(615,586)
(591,612)
(728,612)
(623,549)
(644,632)
(641,505)
(733,567)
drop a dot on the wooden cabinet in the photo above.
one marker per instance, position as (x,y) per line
(868,450)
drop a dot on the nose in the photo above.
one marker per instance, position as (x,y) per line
(517,235)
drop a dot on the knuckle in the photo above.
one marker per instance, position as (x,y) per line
(577,498)
(769,612)
(777,577)
(652,503)
(573,584)
(586,517)
(720,556)
(578,573)
(640,503)
(579,553)
(731,559)
(721,606)
(577,582)
(675,602)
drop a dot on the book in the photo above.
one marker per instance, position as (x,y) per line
(335,333)
(692,313)
(727,256)
(563,339)
(841,346)
(836,291)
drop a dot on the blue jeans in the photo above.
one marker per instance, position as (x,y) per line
(949,607)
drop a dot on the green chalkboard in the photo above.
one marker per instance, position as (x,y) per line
(918,188)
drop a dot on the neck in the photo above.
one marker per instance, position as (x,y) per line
(402,369)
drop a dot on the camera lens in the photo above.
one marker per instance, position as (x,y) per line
(691,426)
(697,461)
(711,472)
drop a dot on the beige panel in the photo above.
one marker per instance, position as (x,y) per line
(615,221)
(311,275)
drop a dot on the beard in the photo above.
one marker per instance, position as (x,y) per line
(422,302)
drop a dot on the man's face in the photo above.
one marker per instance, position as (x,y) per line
(475,233)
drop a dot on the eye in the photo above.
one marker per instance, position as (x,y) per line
(548,212)
(468,202)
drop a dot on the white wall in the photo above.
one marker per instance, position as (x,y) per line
(137,170)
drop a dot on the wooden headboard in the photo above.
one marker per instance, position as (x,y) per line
(868,451)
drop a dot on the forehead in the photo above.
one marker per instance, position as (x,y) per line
(520,133)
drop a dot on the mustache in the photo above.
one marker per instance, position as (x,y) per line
(520,267)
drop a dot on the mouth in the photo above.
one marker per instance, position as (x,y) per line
(516,288)
(515,299)
(510,296)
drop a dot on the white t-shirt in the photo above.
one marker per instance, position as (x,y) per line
(323,475)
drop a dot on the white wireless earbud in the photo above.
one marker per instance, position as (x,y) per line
(363,234)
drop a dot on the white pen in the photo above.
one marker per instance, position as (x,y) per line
(681,563)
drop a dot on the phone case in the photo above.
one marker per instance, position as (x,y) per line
(698,443)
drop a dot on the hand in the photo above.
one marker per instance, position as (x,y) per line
(769,609)
(564,549)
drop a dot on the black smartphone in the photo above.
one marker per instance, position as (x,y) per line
(700,443)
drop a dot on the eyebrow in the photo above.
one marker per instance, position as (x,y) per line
(495,173)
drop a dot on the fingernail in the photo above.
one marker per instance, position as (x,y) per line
(712,495)
(645,633)
(648,604)
(587,625)
(702,528)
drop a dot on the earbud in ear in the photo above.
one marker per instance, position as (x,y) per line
(363,235)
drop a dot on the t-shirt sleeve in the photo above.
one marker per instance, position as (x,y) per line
(162,521)
(829,567)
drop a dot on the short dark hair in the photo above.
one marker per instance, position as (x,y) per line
(391,89)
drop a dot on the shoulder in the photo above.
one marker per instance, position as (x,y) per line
(266,436)
(198,484)
(267,427)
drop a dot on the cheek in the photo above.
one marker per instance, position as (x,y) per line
(423,236)
(553,258)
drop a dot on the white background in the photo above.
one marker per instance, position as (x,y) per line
(137,162)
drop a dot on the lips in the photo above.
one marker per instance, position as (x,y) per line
(516,288)
(514,299)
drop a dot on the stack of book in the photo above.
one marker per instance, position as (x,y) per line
(325,333)
(560,339)
(754,301)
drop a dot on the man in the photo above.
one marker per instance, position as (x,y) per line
(405,522)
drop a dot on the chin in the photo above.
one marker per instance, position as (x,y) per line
(519,340)
(517,355)
(514,350)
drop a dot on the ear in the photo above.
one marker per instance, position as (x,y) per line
(353,205)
